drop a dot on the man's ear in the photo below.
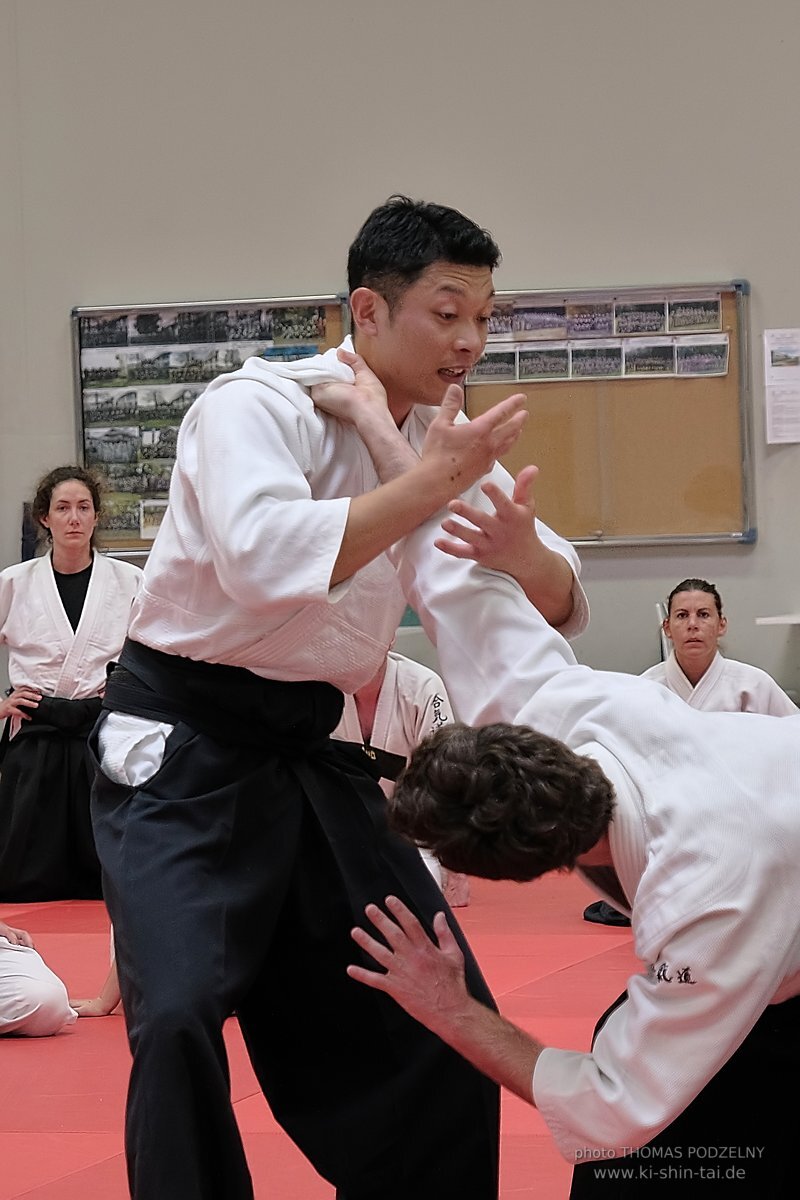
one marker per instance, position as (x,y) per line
(367,308)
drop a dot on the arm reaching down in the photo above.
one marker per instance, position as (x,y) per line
(426,978)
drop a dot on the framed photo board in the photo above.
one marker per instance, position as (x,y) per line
(639,402)
(138,368)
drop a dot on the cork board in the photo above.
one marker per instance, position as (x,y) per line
(656,449)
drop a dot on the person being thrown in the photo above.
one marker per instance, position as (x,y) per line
(688,819)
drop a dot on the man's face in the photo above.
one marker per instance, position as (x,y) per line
(694,626)
(433,337)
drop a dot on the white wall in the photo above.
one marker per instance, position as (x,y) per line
(192,150)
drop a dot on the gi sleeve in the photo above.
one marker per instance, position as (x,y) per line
(681,1022)
(273,545)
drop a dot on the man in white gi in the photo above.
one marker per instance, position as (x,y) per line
(237,841)
(33,1001)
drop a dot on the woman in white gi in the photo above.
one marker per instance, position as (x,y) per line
(63,617)
(33,1001)
(697,672)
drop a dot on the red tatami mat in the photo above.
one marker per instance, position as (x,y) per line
(62,1098)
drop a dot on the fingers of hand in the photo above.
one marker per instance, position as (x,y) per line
(513,426)
(523,486)
(509,406)
(371,946)
(371,978)
(392,931)
(444,935)
(455,549)
(500,500)
(468,512)
(452,402)
(467,534)
(362,372)
(18,937)
(500,414)
(321,392)
(508,437)
(499,435)
(407,922)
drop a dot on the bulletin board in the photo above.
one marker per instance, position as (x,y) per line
(138,369)
(639,409)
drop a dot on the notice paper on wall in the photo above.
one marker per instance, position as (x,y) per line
(782,385)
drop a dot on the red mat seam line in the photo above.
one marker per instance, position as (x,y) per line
(70,1174)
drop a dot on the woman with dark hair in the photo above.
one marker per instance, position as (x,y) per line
(697,672)
(63,617)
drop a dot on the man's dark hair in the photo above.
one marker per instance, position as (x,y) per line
(501,801)
(402,238)
(695,585)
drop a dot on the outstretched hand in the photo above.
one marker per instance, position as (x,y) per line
(504,540)
(426,978)
(467,450)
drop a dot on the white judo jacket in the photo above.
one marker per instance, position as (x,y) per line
(412,703)
(705,840)
(43,649)
(727,686)
(240,568)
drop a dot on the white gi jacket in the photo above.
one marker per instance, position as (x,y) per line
(727,686)
(240,568)
(43,649)
(411,704)
(705,840)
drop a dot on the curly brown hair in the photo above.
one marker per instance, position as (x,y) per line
(48,484)
(501,801)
